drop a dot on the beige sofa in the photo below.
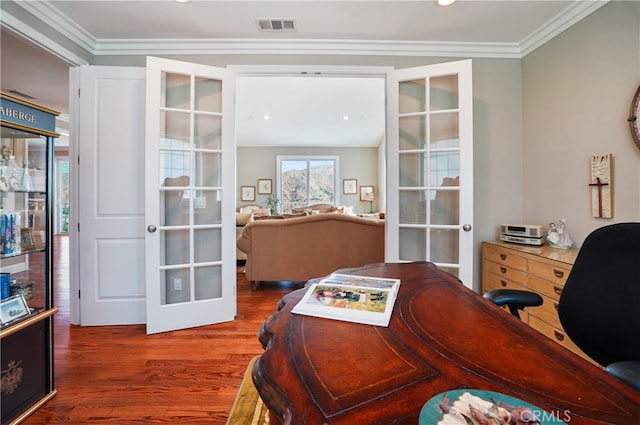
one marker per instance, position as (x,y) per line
(304,247)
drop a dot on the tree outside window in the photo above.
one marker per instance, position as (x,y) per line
(304,181)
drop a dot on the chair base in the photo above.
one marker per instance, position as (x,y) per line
(627,371)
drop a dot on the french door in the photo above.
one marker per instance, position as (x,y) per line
(190,195)
(430,166)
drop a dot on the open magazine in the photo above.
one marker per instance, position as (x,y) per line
(358,299)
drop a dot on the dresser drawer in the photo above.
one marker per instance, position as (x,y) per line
(558,336)
(545,287)
(547,312)
(505,257)
(552,272)
(505,272)
(494,281)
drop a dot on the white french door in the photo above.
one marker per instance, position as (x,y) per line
(190,195)
(430,166)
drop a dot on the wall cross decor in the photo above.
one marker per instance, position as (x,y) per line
(601,186)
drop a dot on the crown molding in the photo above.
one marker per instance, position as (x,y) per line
(571,15)
(19,28)
(52,17)
(304,47)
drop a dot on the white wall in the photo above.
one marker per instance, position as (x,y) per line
(577,90)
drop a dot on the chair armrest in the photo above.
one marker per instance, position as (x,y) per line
(627,371)
(514,299)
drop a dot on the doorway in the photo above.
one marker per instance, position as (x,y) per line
(331,110)
(61,194)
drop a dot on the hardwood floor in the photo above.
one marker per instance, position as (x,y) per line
(119,375)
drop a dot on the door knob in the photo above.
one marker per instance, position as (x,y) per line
(466,227)
(151,228)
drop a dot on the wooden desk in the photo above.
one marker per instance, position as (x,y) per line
(442,336)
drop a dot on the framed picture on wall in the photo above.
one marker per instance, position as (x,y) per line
(367,194)
(349,186)
(264,186)
(247,193)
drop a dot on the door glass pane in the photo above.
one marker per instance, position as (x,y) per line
(174,129)
(208,169)
(445,207)
(413,132)
(208,95)
(412,170)
(444,131)
(207,207)
(443,92)
(412,96)
(176,249)
(413,244)
(174,208)
(177,286)
(413,208)
(444,168)
(444,246)
(207,245)
(175,91)
(208,282)
(208,131)
(453,270)
(175,168)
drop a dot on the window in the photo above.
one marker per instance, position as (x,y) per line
(304,181)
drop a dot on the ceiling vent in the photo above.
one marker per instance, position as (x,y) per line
(276,25)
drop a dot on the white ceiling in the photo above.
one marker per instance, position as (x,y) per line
(469,28)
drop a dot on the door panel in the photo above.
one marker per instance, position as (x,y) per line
(430,167)
(190,181)
(111,193)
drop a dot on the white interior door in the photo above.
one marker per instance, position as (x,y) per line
(190,195)
(111,195)
(430,166)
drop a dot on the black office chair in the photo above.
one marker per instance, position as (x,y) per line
(600,304)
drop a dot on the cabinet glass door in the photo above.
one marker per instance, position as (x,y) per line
(23,222)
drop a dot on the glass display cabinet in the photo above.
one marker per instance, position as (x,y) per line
(26,257)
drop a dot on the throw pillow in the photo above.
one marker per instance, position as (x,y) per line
(243,218)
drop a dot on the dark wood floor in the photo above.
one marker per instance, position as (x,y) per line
(119,375)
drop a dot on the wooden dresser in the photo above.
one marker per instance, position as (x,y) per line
(539,269)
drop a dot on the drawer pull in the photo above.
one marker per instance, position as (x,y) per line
(503,257)
(503,283)
(503,269)
(558,335)
(557,289)
(559,273)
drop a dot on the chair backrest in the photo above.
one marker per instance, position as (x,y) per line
(600,304)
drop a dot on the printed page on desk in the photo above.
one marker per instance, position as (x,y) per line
(357,299)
